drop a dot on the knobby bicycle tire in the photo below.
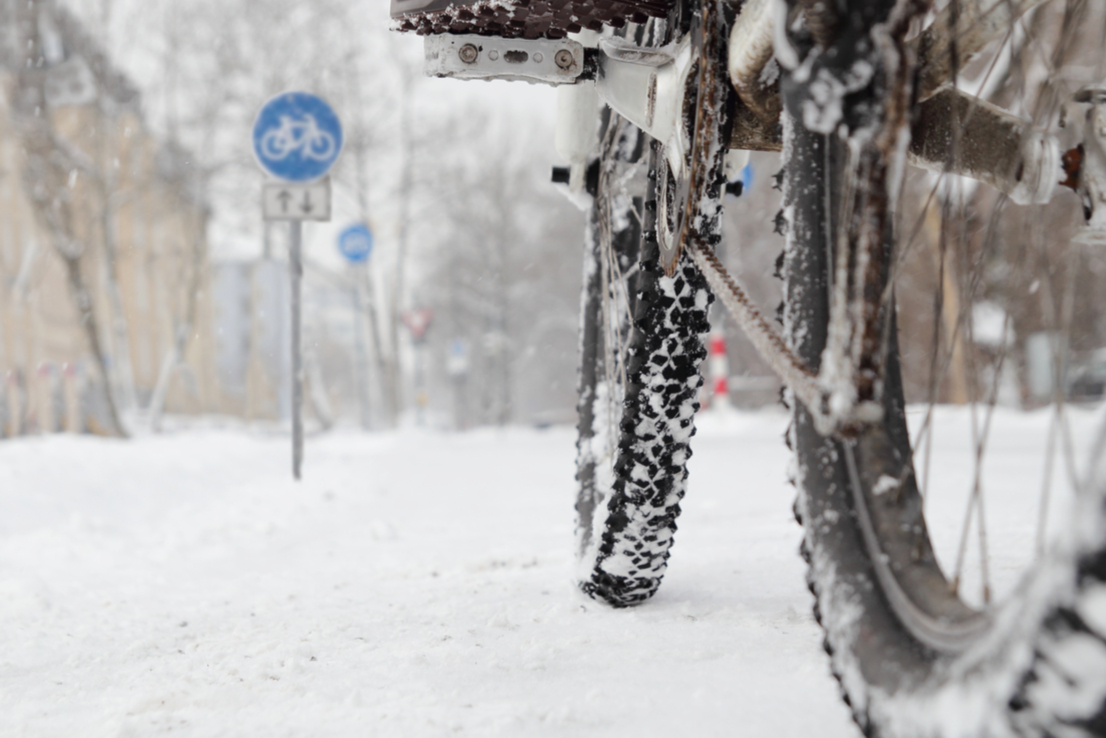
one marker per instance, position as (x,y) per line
(626,514)
(911,659)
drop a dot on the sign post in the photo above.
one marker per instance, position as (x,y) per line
(356,244)
(297,137)
(457,366)
(417,321)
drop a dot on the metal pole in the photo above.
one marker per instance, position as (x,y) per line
(295,269)
(420,392)
(361,373)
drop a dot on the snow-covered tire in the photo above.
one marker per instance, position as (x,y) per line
(627,510)
(650,471)
(910,662)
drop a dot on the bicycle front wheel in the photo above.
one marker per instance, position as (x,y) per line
(914,655)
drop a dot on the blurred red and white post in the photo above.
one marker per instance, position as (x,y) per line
(44,398)
(14,420)
(718,366)
(72,398)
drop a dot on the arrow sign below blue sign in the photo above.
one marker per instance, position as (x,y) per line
(297,137)
(356,243)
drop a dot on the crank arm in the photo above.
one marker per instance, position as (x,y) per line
(957,133)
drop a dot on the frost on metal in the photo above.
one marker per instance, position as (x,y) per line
(824,109)
(596,451)
(752,68)
(961,134)
(552,19)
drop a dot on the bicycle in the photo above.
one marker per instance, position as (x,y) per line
(847,91)
(302,137)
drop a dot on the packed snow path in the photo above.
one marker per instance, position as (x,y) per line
(414,584)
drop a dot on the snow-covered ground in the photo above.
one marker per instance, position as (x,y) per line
(414,584)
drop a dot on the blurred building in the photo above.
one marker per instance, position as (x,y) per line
(104,277)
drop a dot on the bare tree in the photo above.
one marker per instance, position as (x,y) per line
(506,250)
(52,166)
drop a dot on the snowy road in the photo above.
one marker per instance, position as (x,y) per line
(412,585)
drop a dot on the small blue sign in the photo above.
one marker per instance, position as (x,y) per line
(356,243)
(747,176)
(457,363)
(297,137)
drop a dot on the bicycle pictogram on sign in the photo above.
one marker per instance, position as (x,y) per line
(356,243)
(297,137)
(301,137)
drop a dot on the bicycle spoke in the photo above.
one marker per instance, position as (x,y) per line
(1046,482)
(1044,102)
(617,214)
(1066,445)
(1058,326)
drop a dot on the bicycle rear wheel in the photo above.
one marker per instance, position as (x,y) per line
(642,348)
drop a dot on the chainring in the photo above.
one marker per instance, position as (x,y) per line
(690,199)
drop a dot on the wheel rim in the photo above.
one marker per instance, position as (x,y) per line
(953,631)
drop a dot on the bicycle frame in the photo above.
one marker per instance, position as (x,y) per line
(952,133)
(861,90)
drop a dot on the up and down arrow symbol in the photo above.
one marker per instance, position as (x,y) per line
(290,201)
(285,197)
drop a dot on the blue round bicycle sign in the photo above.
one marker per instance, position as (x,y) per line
(297,137)
(356,243)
